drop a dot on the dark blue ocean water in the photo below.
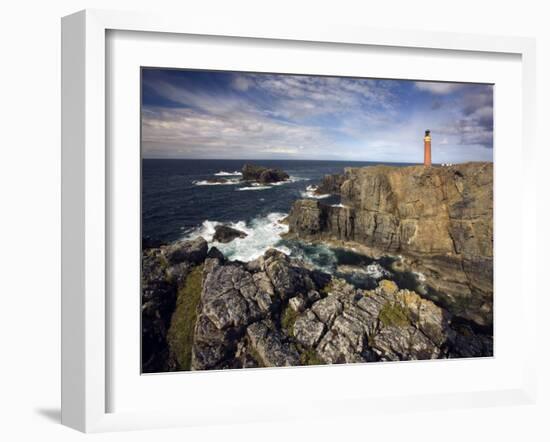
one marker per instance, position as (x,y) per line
(173,204)
(177,203)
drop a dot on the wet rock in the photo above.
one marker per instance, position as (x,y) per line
(214,253)
(225,234)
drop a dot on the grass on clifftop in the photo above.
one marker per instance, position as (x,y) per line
(181,332)
(393,314)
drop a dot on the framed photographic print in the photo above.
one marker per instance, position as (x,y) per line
(250,211)
(267,242)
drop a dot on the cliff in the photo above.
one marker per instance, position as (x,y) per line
(440,219)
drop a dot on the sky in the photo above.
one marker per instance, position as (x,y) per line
(218,115)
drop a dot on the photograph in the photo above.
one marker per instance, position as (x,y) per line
(294,220)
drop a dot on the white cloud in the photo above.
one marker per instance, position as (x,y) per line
(311,117)
(242,83)
(438,88)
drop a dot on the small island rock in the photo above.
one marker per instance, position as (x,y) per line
(263,175)
(225,234)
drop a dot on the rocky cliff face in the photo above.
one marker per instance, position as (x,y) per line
(331,184)
(440,219)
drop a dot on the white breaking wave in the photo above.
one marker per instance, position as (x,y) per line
(224,173)
(420,276)
(376,271)
(228,182)
(310,193)
(263,233)
(254,187)
(291,179)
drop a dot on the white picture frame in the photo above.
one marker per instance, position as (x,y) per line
(85,203)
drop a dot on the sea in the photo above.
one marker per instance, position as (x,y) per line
(179,202)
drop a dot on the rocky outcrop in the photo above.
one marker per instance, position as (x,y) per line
(239,314)
(158,299)
(440,219)
(192,252)
(331,184)
(276,312)
(225,234)
(263,175)
(164,271)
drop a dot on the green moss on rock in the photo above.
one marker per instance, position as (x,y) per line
(181,332)
(394,314)
(288,319)
(310,357)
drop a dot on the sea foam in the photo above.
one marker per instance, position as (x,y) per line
(310,192)
(228,182)
(224,173)
(254,187)
(263,233)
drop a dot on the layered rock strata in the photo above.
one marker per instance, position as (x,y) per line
(440,219)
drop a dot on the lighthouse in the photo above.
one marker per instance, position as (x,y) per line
(427,149)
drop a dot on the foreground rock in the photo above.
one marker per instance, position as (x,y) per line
(236,298)
(192,252)
(225,234)
(439,219)
(263,175)
(164,272)
(275,312)
(202,312)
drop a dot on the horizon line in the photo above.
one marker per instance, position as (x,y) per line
(320,160)
(280,159)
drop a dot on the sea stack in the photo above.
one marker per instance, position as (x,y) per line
(427,149)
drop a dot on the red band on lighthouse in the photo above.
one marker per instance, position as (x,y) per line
(427,149)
